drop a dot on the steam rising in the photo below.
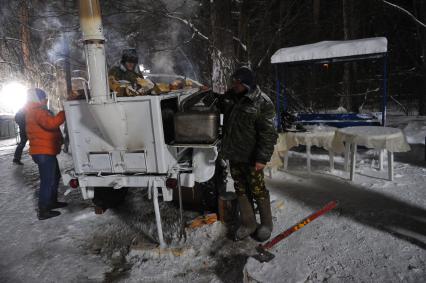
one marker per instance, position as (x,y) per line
(162,42)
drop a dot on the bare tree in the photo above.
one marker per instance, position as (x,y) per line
(420,11)
(25,34)
(346,100)
(222,51)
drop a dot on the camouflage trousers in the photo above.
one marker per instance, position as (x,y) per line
(248,181)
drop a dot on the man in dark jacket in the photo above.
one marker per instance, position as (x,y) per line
(20,120)
(248,142)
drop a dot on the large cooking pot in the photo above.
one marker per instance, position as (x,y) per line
(197,121)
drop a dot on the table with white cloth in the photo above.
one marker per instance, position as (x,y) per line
(375,137)
(320,136)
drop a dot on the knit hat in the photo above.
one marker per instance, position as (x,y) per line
(246,77)
(129,55)
(36,95)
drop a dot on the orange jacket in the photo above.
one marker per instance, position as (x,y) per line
(43,129)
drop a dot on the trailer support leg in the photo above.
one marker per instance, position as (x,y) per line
(157,214)
(182,224)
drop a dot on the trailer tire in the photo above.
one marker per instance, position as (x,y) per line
(107,197)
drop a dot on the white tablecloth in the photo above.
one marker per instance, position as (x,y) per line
(391,139)
(321,136)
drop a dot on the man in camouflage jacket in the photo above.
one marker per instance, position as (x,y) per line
(248,142)
(127,70)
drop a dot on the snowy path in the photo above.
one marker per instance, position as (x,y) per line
(79,246)
(42,251)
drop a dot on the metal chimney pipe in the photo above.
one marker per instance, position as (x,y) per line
(108,115)
(91,26)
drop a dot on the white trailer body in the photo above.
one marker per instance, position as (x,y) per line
(144,158)
(145,149)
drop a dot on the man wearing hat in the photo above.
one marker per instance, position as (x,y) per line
(45,143)
(127,71)
(248,143)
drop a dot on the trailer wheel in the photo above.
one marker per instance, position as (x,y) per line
(107,197)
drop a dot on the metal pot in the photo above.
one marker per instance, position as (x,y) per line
(196,126)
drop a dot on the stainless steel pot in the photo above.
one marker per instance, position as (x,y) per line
(196,126)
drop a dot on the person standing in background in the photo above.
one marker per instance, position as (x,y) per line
(20,120)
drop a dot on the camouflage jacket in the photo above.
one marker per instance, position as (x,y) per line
(120,73)
(249,134)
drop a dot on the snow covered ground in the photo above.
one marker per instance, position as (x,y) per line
(377,233)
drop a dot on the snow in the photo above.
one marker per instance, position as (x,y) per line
(330,49)
(376,234)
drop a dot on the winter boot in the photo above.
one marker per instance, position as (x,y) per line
(44,214)
(264,230)
(58,204)
(247,219)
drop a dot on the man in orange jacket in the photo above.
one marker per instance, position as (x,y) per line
(45,143)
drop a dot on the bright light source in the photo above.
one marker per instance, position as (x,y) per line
(13,96)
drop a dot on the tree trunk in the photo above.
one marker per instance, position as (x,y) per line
(25,35)
(317,5)
(222,53)
(420,7)
(316,17)
(346,100)
(244,35)
(316,36)
(67,67)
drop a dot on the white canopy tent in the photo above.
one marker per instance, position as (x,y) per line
(330,52)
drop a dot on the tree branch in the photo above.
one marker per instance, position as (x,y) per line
(188,23)
(10,39)
(10,63)
(414,18)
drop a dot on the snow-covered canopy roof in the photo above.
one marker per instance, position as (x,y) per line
(331,49)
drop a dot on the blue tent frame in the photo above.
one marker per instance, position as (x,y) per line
(280,70)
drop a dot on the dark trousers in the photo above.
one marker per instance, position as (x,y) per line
(48,168)
(21,145)
(248,181)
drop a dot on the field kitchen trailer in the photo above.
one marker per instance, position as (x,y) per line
(158,142)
